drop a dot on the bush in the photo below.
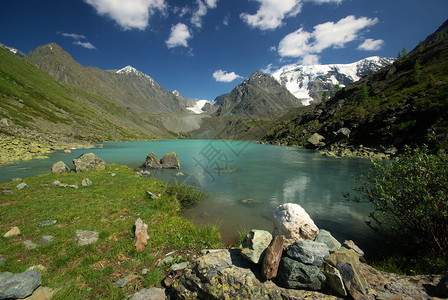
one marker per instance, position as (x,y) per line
(410,199)
(186,195)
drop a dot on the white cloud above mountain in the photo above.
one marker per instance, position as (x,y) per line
(201,11)
(371,45)
(306,45)
(224,76)
(129,14)
(180,34)
(77,39)
(86,45)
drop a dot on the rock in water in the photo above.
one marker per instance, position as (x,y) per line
(296,275)
(19,285)
(88,162)
(59,167)
(151,162)
(255,245)
(141,235)
(315,141)
(85,237)
(170,161)
(272,258)
(308,252)
(293,221)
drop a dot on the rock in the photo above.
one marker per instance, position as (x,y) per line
(352,281)
(255,244)
(352,246)
(293,221)
(73,186)
(15,231)
(128,279)
(46,239)
(39,268)
(316,141)
(296,275)
(141,235)
(308,252)
(86,182)
(113,174)
(325,237)
(85,237)
(153,195)
(180,266)
(22,186)
(151,162)
(149,294)
(88,162)
(4,275)
(344,132)
(145,271)
(56,183)
(272,258)
(19,285)
(47,223)
(4,122)
(165,261)
(59,167)
(42,293)
(29,244)
(343,255)
(441,289)
(67,151)
(334,279)
(170,161)
(179,174)
(7,192)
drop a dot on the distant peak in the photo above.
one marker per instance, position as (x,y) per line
(128,69)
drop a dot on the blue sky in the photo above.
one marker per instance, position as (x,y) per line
(204,48)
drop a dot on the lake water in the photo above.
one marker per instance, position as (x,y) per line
(245,182)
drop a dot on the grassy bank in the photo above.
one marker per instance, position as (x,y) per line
(110,206)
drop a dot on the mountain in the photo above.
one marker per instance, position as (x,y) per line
(309,82)
(396,106)
(260,95)
(33,101)
(14,51)
(128,86)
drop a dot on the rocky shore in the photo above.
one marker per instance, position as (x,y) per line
(18,143)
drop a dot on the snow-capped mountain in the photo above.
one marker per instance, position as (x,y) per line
(308,82)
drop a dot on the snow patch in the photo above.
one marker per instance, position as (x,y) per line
(197,108)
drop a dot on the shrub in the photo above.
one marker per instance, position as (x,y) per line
(410,199)
(187,195)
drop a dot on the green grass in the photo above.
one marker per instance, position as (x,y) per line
(110,206)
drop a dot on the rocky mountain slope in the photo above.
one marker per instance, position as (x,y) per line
(260,95)
(398,105)
(308,82)
(127,87)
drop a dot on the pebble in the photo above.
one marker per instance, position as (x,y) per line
(46,223)
(7,192)
(22,186)
(29,244)
(145,271)
(56,182)
(12,232)
(46,239)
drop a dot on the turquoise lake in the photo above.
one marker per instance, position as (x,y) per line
(245,182)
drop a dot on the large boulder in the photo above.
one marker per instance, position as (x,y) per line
(170,161)
(292,221)
(296,275)
(308,252)
(255,244)
(315,141)
(325,237)
(19,285)
(151,162)
(88,162)
(59,167)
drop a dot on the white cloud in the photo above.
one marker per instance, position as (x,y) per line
(129,14)
(211,3)
(74,36)
(200,12)
(310,59)
(325,1)
(268,69)
(84,44)
(179,36)
(271,13)
(301,43)
(223,76)
(371,45)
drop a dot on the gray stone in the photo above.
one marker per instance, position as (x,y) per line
(56,183)
(2,260)
(165,261)
(22,186)
(150,294)
(151,162)
(325,237)
(7,192)
(85,237)
(180,266)
(59,167)
(88,162)
(255,244)
(86,182)
(29,244)
(344,132)
(334,279)
(352,246)
(441,289)
(308,252)
(46,239)
(121,283)
(4,275)
(315,141)
(170,161)
(19,285)
(296,275)
(47,223)
(352,281)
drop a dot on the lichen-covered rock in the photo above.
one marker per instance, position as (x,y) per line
(19,285)
(85,237)
(292,221)
(255,244)
(334,279)
(151,162)
(88,162)
(170,161)
(59,167)
(308,252)
(296,275)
